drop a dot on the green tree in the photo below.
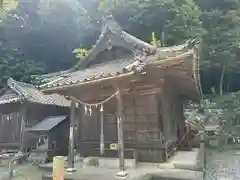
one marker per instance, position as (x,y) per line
(221,42)
(6,6)
(173,21)
(13,64)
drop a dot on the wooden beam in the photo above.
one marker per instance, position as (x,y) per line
(72,135)
(88,83)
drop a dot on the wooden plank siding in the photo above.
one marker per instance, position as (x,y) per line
(10,130)
(140,115)
(10,125)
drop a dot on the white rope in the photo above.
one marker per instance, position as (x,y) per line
(86,105)
(97,104)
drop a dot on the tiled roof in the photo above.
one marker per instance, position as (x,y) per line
(110,27)
(107,69)
(137,44)
(111,33)
(27,92)
(48,77)
(47,124)
(103,70)
(9,98)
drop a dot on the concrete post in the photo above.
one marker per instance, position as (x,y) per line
(102,148)
(203,153)
(58,168)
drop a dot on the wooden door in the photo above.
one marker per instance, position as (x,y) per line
(10,128)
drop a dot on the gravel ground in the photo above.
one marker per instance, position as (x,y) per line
(26,172)
(223,165)
(220,166)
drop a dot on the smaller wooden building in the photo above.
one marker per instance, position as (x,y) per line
(21,107)
(53,133)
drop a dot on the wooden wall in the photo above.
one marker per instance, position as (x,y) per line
(10,125)
(172,111)
(114,53)
(34,114)
(10,130)
(142,124)
(60,136)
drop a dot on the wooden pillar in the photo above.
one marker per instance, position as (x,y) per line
(120,123)
(78,125)
(134,106)
(181,125)
(23,124)
(72,135)
(165,115)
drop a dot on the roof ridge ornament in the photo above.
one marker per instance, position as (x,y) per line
(14,86)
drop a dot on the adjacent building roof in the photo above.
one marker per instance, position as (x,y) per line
(47,124)
(19,91)
(9,97)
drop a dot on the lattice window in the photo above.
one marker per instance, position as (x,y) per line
(9,117)
(31,122)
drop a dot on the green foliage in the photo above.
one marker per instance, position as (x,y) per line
(47,32)
(230,103)
(13,64)
(18,69)
(154,41)
(6,6)
(177,20)
(93,161)
(221,42)
(80,52)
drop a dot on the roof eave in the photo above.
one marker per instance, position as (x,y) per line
(194,87)
(64,87)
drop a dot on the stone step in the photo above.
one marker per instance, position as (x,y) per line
(46,167)
(47,176)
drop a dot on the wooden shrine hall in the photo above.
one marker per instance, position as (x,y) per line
(129,95)
(23,106)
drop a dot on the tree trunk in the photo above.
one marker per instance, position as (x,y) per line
(222,79)
(229,83)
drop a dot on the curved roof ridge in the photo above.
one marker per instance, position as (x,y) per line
(16,86)
(111,26)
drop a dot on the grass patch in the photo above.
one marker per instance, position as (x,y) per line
(27,172)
